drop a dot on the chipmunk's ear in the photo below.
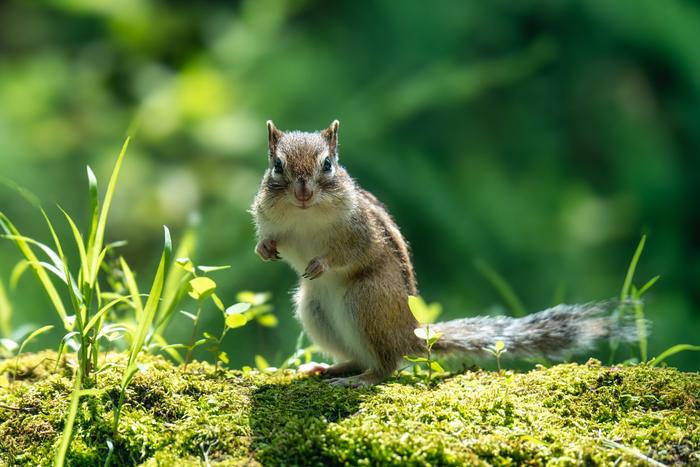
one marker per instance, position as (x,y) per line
(273,137)
(330,134)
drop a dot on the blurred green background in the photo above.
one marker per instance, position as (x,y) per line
(542,138)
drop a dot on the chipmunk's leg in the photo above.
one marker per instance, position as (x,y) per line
(383,327)
(349,368)
(368,378)
(330,371)
(317,325)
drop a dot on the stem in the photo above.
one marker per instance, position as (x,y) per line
(430,355)
(218,348)
(188,356)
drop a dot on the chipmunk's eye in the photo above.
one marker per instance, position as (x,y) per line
(327,166)
(278,166)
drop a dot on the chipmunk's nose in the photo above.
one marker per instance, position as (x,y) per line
(302,191)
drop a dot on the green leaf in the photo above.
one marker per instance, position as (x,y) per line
(269,320)
(648,285)
(207,269)
(176,284)
(235,320)
(185,264)
(96,240)
(499,346)
(217,301)
(253,298)
(415,359)
(631,269)
(260,363)
(96,317)
(427,334)
(5,313)
(144,326)
(189,315)
(423,313)
(435,366)
(94,202)
(60,457)
(17,273)
(674,350)
(133,288)
(201,287)
(32,336)
(41,274)
(237,308)
(151,304)
(223,356)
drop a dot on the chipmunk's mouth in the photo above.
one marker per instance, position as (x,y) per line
(303,204)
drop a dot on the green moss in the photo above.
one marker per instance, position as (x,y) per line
(560,416)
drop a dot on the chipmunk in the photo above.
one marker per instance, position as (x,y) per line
(356,273)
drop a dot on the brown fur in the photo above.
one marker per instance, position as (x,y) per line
(356,272)
(349,235)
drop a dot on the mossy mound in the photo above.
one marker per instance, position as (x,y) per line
(564,415)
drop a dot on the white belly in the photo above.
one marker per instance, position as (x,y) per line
(332,325)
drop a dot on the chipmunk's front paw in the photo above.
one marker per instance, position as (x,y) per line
(267,250)
(316,267)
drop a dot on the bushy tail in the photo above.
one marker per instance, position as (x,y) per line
(553,333)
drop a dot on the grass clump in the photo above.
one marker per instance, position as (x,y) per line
(561,415)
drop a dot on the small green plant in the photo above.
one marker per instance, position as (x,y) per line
(497,350)
(425,315)
(85,320)
(630,295)
(88,310)
(672,351)
(201,288)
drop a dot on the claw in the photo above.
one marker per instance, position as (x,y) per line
(316,267)
(267,250)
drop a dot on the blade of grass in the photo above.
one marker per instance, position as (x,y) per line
(625,292)
(175,286)
(32,336)
(41,274)
(60,458)
(84,271)
(502,287)
(96,317)
(144,326)
(5,313)
(133,288)
(96,241)
(94,205)
(153,299)
(17,273)
(648,285)
(53,256)
(673,351)
(75,295)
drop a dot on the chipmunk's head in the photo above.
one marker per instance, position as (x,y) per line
(303,167)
